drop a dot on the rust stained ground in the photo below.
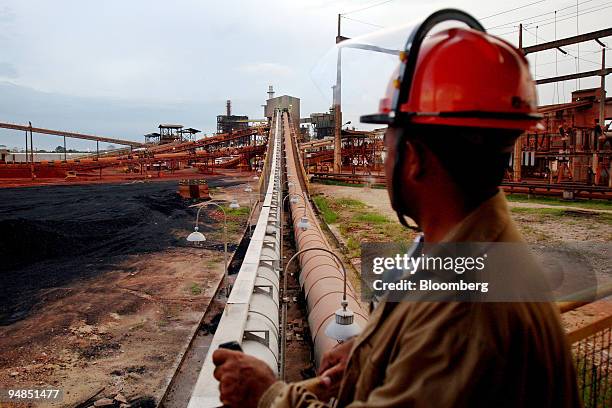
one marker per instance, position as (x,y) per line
(122,330)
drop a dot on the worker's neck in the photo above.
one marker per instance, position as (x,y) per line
(440,214)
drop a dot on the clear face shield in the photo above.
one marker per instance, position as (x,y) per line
(367,74)
(355,73)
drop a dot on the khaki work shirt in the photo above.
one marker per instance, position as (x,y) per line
(426,354)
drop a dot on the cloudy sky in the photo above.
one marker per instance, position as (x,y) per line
(120,67)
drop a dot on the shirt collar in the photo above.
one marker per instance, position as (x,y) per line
(484,224)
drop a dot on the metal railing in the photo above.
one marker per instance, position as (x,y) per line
(251,314)
(592,349)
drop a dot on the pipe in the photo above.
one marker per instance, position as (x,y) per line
(320,279)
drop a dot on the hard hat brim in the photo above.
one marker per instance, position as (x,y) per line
(498,120)
(376,118)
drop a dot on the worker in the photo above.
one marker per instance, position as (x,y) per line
(459,101)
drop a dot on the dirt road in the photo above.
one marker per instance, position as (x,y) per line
(100,288)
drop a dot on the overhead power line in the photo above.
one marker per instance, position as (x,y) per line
(570,15)
(367,7)
(526,19)
(511,10)
(361,21)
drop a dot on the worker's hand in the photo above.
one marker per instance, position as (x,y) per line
(243,379)
(334,362)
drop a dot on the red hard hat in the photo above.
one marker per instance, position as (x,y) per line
(460,77)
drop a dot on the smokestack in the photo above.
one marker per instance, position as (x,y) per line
(228,107)
(270,92)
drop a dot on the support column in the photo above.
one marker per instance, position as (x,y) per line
(27,157)
(32,153)
(516,163)
(337,139)
(602,119)
(98,157)
(31,144)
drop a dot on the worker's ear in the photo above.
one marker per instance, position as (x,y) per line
(414,159)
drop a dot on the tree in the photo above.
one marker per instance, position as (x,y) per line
(59,149)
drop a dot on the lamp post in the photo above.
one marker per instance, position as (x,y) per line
(288,183)
(197,236)
(342,328)
(249,190)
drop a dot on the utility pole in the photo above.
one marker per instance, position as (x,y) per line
(31,153)
(521,36)
(337,93)
(31,144)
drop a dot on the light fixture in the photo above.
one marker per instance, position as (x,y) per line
(294,199)
(304,224)
(255,177)
(234,204)
(343,327)
(248,189)
(196,236)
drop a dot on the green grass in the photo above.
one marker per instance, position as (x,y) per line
(195,289)
(353,244)
(329,215)
(558,212)
(237,212)
(357,223)
(589,204)
(371,218)
(349,203)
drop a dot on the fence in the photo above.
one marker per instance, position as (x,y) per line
(592,349)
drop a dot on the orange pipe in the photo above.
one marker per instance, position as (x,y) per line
(320,277)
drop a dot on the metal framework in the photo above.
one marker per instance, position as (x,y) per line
(577,151)
(594,35)
(70,134)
